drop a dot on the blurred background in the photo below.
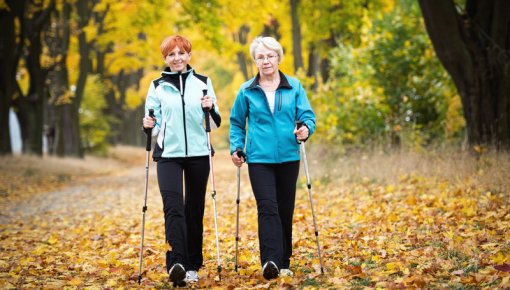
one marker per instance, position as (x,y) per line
(380,74)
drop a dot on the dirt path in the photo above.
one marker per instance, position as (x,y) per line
(418,232)
(90,220)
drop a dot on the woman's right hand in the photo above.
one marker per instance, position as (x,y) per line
(149,122)
(238,161)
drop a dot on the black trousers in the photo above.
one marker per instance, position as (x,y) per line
(184,215)
(274,187)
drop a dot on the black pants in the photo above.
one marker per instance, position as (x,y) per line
(274,187)
(184,218)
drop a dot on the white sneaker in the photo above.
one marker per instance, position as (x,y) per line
(191,276)
(286,273)
(270,270)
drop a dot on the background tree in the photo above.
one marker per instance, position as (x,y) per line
(31,105)
(368,66)
(387,87)
(473,43)
(11,45)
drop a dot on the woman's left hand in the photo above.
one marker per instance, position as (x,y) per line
(207,102)
(301,133)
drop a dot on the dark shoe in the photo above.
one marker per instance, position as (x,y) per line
(177,273)
(270,270)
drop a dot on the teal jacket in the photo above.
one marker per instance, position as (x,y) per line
(176,101)
(270,136)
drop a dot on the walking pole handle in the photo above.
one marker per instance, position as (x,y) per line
(240,153)
(299,124)
(149,133)
(206,111)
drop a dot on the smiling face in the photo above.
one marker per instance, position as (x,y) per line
(177,59)
(176,51)
(266,60)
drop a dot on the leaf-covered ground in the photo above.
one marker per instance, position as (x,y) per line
(77,225)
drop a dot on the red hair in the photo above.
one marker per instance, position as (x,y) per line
(171,42)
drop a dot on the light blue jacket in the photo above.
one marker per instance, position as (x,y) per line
(176,100)
(270,135)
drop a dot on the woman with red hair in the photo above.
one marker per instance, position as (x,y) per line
(181,150)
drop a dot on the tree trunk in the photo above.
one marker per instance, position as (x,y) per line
(68,141)
(31,107)
(473,47)
(313,65)
(63,124)
(272,28)
(132,133)
(242,38)
(296,36)
(11,45)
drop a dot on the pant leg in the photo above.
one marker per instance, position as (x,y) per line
(262,179)
(286,178)
(196,173)
(170,186)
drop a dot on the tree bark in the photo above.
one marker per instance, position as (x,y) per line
(11,45)
(31,107)
(313,64)
(242,61)
(473,46)
(68,141)
(64,117)
(296,36)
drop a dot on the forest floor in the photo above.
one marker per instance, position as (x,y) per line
(396,220)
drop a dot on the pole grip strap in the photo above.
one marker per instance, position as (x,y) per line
(207,119)
(149,133)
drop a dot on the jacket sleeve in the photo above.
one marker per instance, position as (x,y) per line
(238,116)
(152,102)
(215,112)
(304,110)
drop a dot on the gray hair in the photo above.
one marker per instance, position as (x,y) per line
(269,43)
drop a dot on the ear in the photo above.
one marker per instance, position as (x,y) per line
(189,53)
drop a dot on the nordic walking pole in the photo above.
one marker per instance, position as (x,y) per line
(309,185)
(144,209)
(208,131)
(240,154)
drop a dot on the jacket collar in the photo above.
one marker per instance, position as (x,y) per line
(167,71)
(176,78)
(284,83)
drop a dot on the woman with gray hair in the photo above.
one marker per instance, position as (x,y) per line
(269,105)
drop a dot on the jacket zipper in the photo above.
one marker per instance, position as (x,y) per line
(279,101)
(163,143)
(273,116)
(183,116)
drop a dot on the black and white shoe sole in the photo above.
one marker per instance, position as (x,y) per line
(177,273)
(270,271)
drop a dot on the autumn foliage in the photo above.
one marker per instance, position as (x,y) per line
(75,224)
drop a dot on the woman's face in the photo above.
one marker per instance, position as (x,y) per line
(177,59)
(266,61)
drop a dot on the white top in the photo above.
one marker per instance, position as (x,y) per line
(270,99)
